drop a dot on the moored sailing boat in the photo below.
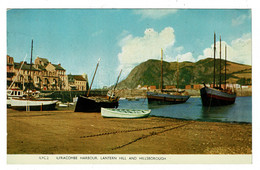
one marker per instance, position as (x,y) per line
(94,104)
(217,96)
(30,102)
(164,97)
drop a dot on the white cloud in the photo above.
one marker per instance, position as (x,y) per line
(185,57)
(239,51)
(155,13)
(239,20)
(135,50)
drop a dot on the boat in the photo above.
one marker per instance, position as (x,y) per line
(163,96)
(217,96)
(93,104)
(13,93)
(29,102)
(111,95)
(166,98)
(124,113)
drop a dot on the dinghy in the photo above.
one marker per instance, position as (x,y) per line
(124,113)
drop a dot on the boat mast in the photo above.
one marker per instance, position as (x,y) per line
(214,60)
(161,70)
(117,80)
(31,66)
(177,74)
(93,78)
(220,63)
(18,75)
(225,66)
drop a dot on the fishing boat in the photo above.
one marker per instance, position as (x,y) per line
(111,95)
(217,96)
(94,104)
(35,104)
(124,113)
(29,102)
(163,96)
(13,93)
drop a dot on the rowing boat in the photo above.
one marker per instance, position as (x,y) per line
(124,113)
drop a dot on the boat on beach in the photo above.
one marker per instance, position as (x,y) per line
(163,96)
(13,93)
(94,104)
(35,104)
(217,96)
(124,113)
(29,102)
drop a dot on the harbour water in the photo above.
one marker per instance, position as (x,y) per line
(241,111)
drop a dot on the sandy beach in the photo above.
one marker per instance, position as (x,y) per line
(67,132)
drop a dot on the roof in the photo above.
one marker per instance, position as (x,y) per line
(58,67)
(25,67)
(44,60)
(79,78)
(40,67)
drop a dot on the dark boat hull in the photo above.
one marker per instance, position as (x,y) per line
(85,104)
(165,99)
(213,97)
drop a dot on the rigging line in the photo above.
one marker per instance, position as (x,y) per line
(17,73)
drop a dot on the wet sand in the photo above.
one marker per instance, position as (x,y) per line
(67,132)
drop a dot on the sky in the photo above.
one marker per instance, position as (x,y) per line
(124,38)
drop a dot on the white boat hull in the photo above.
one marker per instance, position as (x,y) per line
(33,104)
(124,113)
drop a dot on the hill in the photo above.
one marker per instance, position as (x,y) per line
(148,73)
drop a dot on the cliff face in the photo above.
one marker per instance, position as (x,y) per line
(149,72)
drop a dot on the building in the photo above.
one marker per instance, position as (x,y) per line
(152,88)
(42,75)
(52,76)
(170,87)
(10,70)
(24,78)
(77,82)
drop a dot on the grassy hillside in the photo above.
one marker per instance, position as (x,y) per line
(149,72)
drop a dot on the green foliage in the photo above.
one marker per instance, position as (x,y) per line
(149,72)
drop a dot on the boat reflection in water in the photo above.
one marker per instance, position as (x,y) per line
(221,114)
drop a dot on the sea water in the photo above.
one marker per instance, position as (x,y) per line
(240,111)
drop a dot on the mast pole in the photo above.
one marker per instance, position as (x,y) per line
(161,70)
(117,80)
(214,59)
(31,66)
(225,66)
(93,78)
(177,74)
(220,63)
